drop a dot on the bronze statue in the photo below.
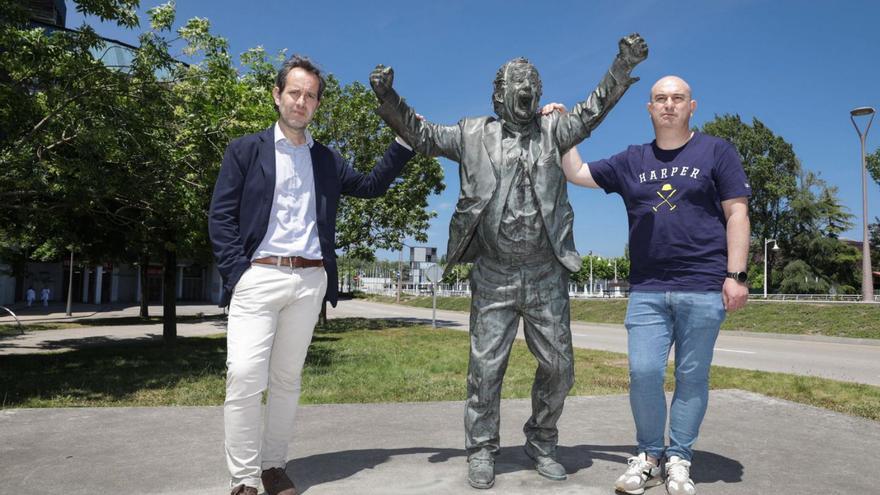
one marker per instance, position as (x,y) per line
(514,222)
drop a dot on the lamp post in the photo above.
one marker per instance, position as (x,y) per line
(775,248)
(399,270)
(591,273)
(69,311)
(867,283)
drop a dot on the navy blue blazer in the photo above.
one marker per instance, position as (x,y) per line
(242,201)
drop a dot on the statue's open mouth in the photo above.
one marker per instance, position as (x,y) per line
(525,100)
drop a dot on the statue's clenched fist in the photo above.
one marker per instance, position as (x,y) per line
(633,49)
(381,80)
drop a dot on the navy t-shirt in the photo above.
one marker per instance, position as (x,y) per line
(677,229)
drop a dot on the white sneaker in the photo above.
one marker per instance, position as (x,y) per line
(640,474)
(678,477)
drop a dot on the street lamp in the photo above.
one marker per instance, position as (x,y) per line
(867,283)
(591,273)
(69,311)
(775,248)
(399,270)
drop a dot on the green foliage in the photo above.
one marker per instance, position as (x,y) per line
(799,278)
(771,166)
(458,273)
(117,163)
(162,16)
(346,121)
(794,206)
(874,240)
(58,107)
(602,269)
(873,165)
(122,12)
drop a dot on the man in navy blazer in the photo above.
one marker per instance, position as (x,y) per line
(273,227)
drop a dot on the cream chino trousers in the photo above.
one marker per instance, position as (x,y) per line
(271,319)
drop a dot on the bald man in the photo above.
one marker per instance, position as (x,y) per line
(686,197)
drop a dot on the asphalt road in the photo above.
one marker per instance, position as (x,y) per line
(852,360)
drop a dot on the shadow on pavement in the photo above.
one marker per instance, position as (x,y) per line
(334,466)
(427,322)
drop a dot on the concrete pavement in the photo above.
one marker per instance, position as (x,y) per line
(77,338)
(749,444)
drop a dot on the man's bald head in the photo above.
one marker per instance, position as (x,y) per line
(673,83)
(671,105)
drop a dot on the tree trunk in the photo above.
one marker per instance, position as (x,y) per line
(169,298)
(143,262)
(322,316)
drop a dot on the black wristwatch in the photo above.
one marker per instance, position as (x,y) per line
(740,277)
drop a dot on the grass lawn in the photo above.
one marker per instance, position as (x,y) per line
(352,360)
(836,320)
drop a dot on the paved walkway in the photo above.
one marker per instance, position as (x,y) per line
(750,444)
(78,338)
(56,312)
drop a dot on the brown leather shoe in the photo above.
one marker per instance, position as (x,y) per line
(276,482)
(243,490)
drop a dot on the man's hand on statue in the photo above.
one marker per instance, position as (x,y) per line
(382,79)
(553,107)
(633,50)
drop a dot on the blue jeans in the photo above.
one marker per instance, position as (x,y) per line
(655,321)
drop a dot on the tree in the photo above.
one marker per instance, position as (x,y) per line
(800,278)
(57,106)
(771,166)
(874,236)
(119,162)
(603,269)
(458,273)
(794,206)
(347,121)
(812,224)
(873,164)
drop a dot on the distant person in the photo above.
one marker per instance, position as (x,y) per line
(44,296)
(686,197)
(30,296)
(272,225)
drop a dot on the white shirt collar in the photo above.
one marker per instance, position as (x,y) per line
(279,136)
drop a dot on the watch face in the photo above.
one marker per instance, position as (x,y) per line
(741,276)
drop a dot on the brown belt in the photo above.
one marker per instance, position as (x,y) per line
(291,261)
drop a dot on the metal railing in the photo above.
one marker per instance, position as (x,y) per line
(17,321)
(463,290)
(843,298)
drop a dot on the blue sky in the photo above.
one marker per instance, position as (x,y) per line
(798,66)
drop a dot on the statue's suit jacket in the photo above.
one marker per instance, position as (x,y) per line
(475,143)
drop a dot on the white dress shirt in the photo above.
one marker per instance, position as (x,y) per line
(293,228)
